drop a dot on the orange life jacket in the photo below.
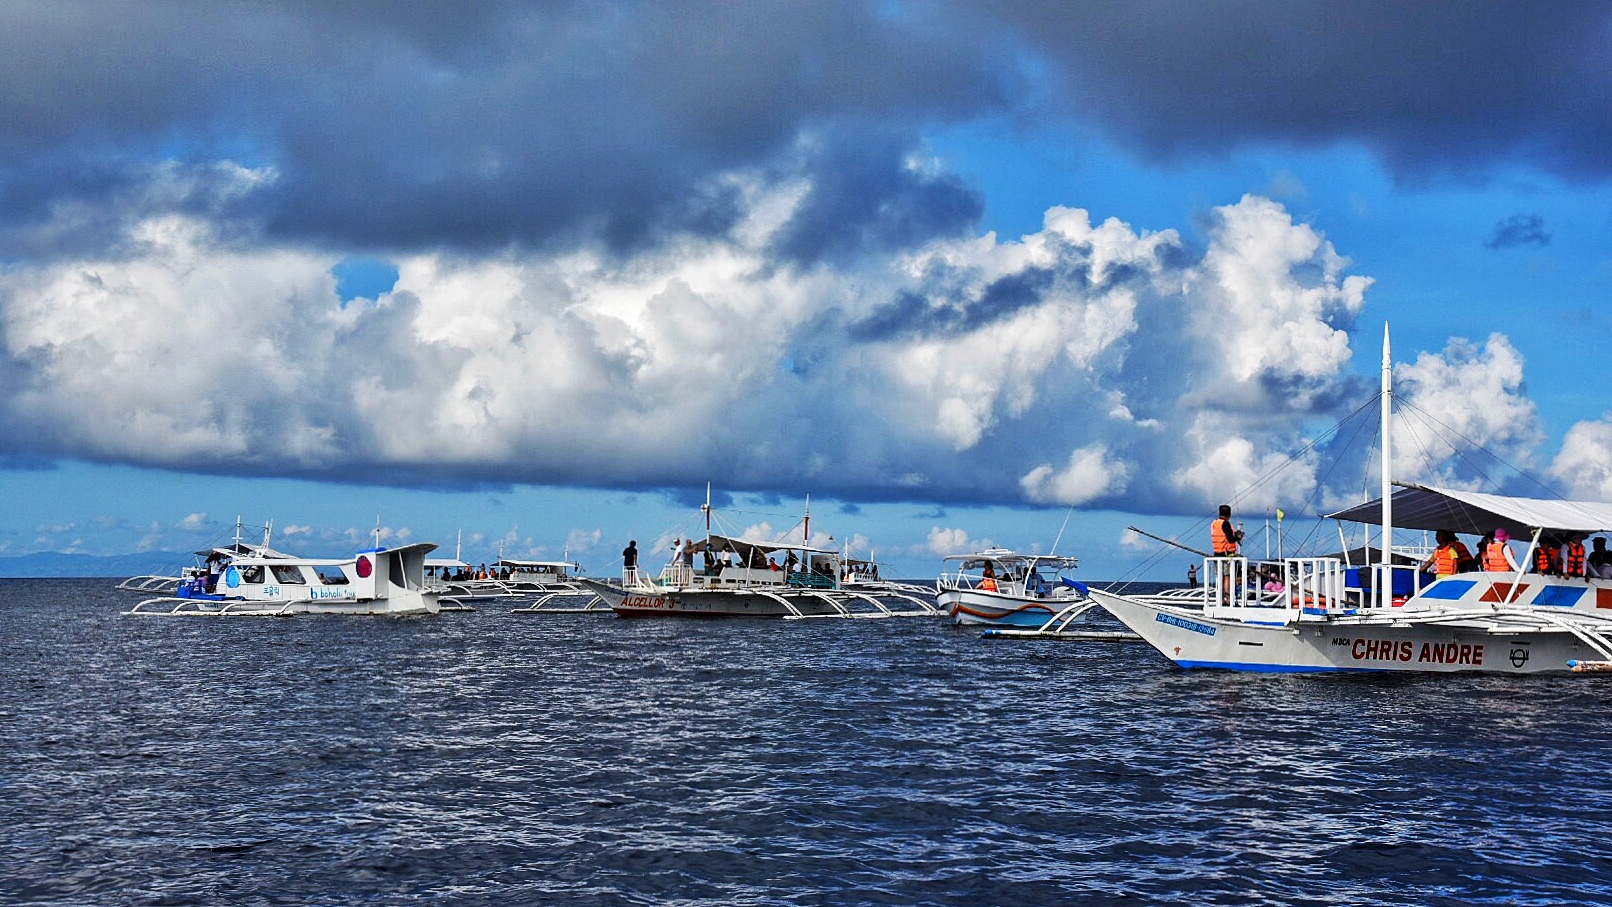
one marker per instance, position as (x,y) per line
(1222,542)
(1494,558)
(1544,559)
(1447,559)
(1575,558)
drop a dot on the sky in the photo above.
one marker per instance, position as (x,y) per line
(525,277)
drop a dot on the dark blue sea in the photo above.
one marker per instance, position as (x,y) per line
(502,759)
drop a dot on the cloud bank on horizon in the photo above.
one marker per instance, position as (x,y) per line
(632,262)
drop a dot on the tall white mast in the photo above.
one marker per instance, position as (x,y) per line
(1388,453)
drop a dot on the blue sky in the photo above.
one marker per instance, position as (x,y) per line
(536,273)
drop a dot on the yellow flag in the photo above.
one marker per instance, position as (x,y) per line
(1279,514)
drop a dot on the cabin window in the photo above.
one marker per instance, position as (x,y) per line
(288,575)
(331,576)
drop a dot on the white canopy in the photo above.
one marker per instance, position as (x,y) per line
(1421,507)
(530,565)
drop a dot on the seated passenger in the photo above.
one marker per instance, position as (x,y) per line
(1447,558)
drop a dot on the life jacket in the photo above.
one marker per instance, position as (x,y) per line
(1447,559)
(1574,552)
(1545,559)
(1494,558)
(988,584)
(1221,540)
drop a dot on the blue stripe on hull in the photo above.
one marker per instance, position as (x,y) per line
(1274,669)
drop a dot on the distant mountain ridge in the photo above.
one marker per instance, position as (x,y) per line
(54,564)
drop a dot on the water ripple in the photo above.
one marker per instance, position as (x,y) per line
(492,758)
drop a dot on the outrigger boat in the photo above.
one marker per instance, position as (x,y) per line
(375,581)
(743,578)
(1002,588)
(1326,616)
(554,587)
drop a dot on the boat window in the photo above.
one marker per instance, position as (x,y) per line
(252,575)
(331,576)
(288,575)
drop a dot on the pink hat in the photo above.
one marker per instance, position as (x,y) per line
(1501,535)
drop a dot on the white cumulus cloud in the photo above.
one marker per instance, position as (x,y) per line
(1584,464)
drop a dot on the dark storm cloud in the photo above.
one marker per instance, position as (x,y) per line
(867,198)
(1434,88)
(1519,230)
(485,124)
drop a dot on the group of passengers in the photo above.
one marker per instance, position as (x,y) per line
(1560,555)
(469,574)
(1034,583)
(715,562)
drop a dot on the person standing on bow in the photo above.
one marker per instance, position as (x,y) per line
(1497,557)
(1223,537)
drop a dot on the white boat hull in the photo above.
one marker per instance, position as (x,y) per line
(1343,643)
(988,609)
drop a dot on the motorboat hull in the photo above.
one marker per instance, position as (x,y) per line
(976,608)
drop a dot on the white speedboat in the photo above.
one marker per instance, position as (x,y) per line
(1002,588)
(727,576)
(376,581)
(1327,616)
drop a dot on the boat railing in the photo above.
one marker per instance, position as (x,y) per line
(1315,585)
(967,582)
(677,574)
(1233,585)
(1394,584)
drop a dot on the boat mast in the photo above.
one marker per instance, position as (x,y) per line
(707,510)
(806,524)
(1388,454)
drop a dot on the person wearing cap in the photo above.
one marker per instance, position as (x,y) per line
(1497,557)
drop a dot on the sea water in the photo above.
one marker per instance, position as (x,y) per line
(503,759)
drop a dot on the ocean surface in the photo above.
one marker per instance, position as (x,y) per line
(502,759)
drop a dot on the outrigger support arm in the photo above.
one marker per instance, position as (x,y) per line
(1160,538)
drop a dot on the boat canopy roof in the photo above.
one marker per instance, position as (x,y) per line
(446,562)
(288,561)
(241,549)
(744,547)
(528,565)
(1423,507)
(1005,556)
